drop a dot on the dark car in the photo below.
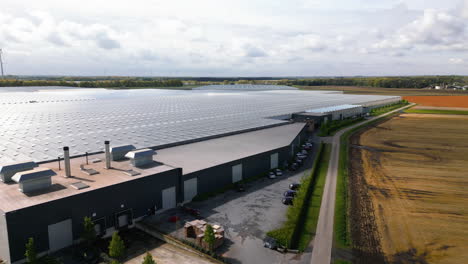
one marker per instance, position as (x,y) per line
(289,193)
(294,166)
(240,187)
(294,186)
(287,200)
(270,243)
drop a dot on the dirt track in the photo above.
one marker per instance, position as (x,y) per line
(364,233)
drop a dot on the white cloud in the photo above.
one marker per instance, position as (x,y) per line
(244,37)
(435,29)
(456,61)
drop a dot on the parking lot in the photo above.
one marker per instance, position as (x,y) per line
(246,217)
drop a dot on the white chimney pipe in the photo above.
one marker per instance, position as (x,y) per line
(66,159)
(108,156)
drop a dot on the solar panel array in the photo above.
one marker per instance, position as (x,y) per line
(37,125)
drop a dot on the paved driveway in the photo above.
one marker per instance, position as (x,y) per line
(248,216)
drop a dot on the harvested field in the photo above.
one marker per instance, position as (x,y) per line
(439,101)
(409,190)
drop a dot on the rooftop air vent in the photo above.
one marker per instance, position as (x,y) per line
(35,179)
(7,171)
(141,157)
(119,152)
(79,185)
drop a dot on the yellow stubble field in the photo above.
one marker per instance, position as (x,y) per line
(416,169)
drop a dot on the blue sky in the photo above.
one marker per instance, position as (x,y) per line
(235,38)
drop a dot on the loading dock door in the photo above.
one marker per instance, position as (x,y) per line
(60,235)
(169,198)
(237,173)
(190,189)
(274,161)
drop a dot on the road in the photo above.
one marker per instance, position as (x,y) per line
(323,241)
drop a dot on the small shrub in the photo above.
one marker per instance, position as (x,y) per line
(116,246)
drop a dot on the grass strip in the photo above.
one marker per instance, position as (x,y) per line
(436,111)
(330,128)
(388,108)
(290,233)
(314,201)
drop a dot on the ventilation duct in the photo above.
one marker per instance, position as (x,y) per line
(7,171)
(119,152)
(66,160)
(34,180)
(141,157)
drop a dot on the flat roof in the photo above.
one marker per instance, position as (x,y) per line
(205,154)
(12,199)
(37,125)
(332,108)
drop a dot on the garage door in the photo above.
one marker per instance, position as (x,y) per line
(274,161)
(60,235)
(190,189)
(237,173)
(169,198)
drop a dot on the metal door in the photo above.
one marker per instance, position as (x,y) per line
(169,198)
(60,235)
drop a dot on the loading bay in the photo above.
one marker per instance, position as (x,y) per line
(246,217)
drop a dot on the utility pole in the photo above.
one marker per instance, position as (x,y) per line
(1,63)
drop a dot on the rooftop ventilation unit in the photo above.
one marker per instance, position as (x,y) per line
(141,157)
(119,152)
(79,185)
(7,171)
(35,179)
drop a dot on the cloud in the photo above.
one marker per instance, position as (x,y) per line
(456,61)
(437,30)
(254,52)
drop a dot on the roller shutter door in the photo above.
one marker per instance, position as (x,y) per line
(237,173)
(190,189)
(274,161)
(169,198)
(60,235)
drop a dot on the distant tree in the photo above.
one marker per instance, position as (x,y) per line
(116,246)
(31,254)
(89,233)
(114,262)
(209,237)
(148,259)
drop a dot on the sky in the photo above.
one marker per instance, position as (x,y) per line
(234,38)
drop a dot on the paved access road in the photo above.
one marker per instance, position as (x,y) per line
(323,241)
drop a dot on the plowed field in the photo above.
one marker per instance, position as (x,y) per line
(409,190)
(440,101)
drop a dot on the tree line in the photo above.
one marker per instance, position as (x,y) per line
(124,83)
(384,82)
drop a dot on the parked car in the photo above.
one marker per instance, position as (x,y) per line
(240,187)
(278,172)
(289,193)
(301,156)
(270,243)
(294,166)
(298,161)
(304,152)
(306,147)
(309,144)
(294,186)
(271,175)
(287,200)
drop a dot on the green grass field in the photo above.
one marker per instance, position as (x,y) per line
(436,111)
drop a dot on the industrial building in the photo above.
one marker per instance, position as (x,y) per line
(116,156)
